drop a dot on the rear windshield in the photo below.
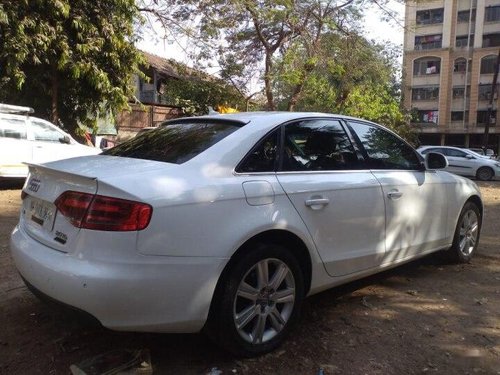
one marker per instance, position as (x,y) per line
(174,143)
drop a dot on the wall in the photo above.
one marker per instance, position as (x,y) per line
(128,123)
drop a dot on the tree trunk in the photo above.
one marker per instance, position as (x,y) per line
(267,81)
(54,92)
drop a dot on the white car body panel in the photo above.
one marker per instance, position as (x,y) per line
(15,153)
(420,196)
(163,278)
(341,252)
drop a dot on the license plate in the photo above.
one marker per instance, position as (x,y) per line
(41,213)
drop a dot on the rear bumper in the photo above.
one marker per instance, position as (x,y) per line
(158,294)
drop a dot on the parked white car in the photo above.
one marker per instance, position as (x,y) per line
(27,139)
(466,162)
(226,222)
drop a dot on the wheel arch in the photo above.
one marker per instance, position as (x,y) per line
(280,237)
(478,202)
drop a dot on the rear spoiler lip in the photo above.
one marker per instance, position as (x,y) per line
(44,167)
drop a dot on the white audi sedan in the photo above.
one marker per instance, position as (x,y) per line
(226,222)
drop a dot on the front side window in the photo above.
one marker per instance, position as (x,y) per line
(318,145)
(383,149)
(12,128)
(263,157)
(174,143)
(45,133)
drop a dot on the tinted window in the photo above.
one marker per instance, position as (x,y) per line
(263,157)
(12,128)
(426,151)
(173,143)
(383,149)
(317,145)
(44,132)
(455,153)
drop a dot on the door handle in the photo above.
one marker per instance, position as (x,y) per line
(315,202)
(394,194)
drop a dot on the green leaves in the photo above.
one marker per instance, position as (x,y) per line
(72,58)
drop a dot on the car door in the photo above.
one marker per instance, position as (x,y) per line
(340,203)
(459,163)
(14,147)
(415,199)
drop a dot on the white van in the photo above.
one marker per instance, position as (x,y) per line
(26,139)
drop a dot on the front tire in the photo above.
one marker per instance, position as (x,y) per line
(466,238)
(485,174)
(258,302)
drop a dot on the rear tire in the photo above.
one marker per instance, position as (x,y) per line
(257,302)
(466,238)
(485,174)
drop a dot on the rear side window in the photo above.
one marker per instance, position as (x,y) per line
(12,128)
(455,153)
(174,143)
(318,145)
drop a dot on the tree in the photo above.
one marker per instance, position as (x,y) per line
(71,60)
(247,37)
(352,76)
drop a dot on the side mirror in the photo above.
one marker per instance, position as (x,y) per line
(469,157)
(65,139)
(435,160)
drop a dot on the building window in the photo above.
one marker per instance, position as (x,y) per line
(428,116)
(425,66)
(492,14)
(459,115)
(485,92)
(491,40)
(482,117)
(488,64)
(463,40)
(428,41)
(430,16)
(463,15)
(459,92)
(460,65)
(425,93)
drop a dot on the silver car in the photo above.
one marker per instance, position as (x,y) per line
(466,162)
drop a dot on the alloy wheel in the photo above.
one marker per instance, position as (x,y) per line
(468,232)
(264,301)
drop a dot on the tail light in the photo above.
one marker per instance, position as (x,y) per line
(98,212)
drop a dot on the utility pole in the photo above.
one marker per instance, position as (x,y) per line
(490,104)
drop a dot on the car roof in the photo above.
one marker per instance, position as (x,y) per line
(265,119)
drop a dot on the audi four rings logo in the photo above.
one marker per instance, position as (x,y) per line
(34,185)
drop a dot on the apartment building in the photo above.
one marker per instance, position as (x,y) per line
(450,53)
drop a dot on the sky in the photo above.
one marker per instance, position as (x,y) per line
(375,29)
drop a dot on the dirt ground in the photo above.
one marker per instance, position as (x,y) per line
(423,317)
